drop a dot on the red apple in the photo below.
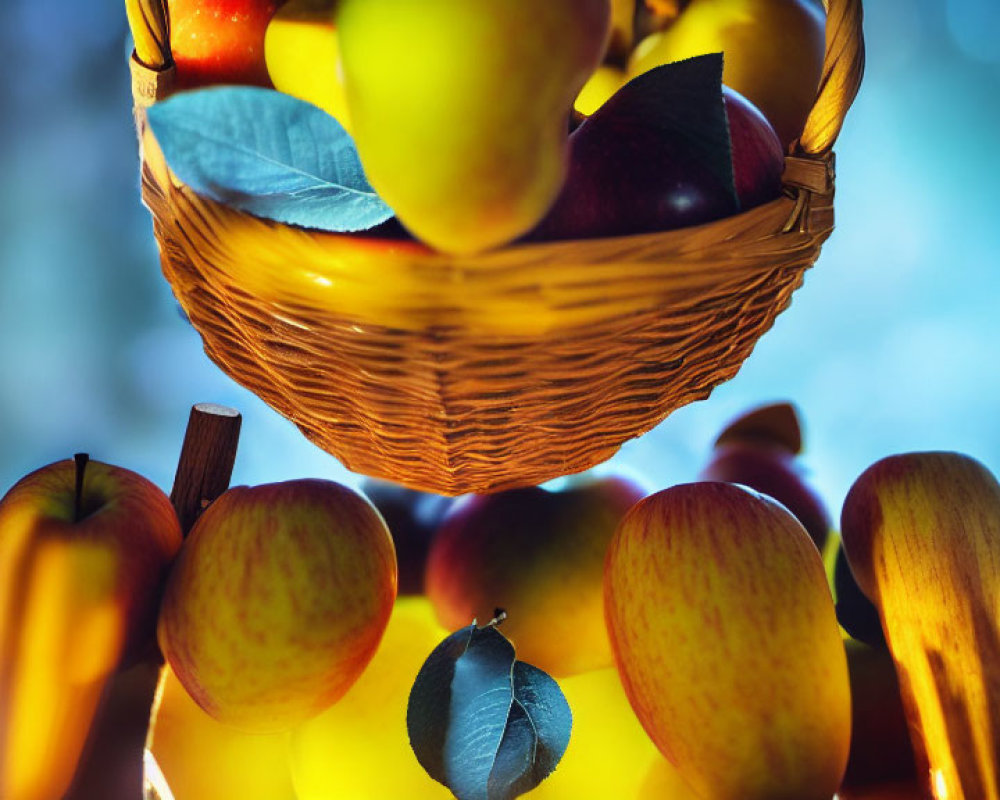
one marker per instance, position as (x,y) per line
(758,159)
(538,555)
(84,547)
(220,41)
(653,157)
(277,601)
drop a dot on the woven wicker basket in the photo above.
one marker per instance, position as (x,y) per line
(458,374)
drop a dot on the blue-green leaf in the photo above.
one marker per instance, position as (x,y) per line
(485,725)
(269,154)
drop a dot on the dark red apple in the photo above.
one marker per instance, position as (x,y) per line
(654,157)
(855,612)
(758,160)
(412,518)
(776,473)
(880,739)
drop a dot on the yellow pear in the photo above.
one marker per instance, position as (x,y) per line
(460,109)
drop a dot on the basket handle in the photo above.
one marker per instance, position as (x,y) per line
(843,69)
(150,24)
(843,66)
(151,64)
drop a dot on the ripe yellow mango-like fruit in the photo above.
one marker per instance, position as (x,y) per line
(302,54)
(922,535)
(459,109)
(727,643)
(609,754)
(606,80)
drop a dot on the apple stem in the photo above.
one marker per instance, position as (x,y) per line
(81,460)
(499,615)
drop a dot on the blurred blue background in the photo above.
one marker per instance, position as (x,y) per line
(891,344)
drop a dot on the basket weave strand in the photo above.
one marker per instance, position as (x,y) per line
(508,368)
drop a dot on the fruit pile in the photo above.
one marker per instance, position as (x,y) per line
(474,125)
(683,644)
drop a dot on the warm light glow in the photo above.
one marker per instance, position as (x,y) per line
(940,787)
(155,787)
(321,280)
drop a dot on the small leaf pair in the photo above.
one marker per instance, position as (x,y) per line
(485,725)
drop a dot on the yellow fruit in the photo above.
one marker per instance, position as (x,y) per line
(605,81)
(84,547)
(359,749)
(459,109)
(278,601)
(609,753)
(202,759)
(921,532)
(773,52)
(302,55)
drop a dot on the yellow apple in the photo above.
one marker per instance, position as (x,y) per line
(84,548)
(921,532)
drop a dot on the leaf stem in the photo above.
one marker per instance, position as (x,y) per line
(499,615)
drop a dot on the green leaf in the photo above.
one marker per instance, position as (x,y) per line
(269,154)
(485,725)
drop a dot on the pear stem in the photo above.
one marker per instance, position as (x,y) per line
(81,460)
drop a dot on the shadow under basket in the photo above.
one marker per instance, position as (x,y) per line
(458,374)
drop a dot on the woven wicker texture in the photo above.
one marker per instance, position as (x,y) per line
(509,368)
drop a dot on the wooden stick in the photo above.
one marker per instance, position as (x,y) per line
(111,767)
(206,462)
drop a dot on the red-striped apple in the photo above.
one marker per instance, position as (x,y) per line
(725,636)
(278,601)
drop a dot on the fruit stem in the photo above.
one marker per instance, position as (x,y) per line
(81,460)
